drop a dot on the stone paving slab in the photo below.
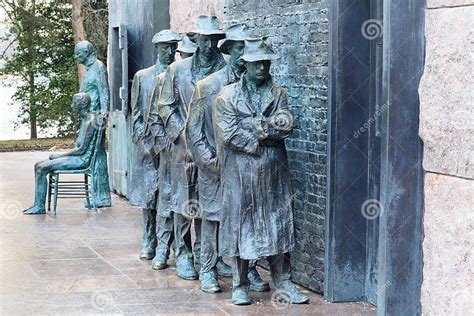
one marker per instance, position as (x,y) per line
(81,262)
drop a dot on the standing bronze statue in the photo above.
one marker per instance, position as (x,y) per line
(178,86)
(202,147)
(186,47)
(145,178)
(96,85)
(252,119)
(78,158)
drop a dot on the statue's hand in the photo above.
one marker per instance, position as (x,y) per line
(53,156)
(259,124)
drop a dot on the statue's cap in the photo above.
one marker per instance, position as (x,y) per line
(236,32)
(257,49)
(166,36)
(206,25)
(186,46)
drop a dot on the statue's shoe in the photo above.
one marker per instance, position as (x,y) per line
(160,260)
(240,297)
(34,210)
(256,282)
(223,269)
(147,253)
(106,203)
(185,268)
(293,294)
(158,265)
(209,283)
(100,204)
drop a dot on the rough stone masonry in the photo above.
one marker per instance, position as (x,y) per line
(298,31)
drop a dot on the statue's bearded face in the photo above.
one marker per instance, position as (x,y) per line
(81,54)
(258,71)
(166,52)
(207,44)
(236,50)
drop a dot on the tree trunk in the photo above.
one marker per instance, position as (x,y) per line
(78,29)
(31,87)
(31,80)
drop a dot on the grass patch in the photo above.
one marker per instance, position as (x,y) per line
(35,144)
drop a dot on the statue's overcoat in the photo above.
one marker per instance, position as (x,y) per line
(200,138)
(178,86)
(143,189)
(95,84)
(257,216)
(160,145)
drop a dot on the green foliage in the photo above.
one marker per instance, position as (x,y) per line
(43,62)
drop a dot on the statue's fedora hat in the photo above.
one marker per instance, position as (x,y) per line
(234,33)
(207,25)
(257,49)
(186,46)
(166,36)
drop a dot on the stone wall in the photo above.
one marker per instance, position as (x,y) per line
(299,33)
(183,13)
(447,130)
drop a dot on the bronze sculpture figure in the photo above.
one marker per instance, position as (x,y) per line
(178,86)
(202,147)
(145,179)
(96,85)
(78,158)
(252,119)
(186,47)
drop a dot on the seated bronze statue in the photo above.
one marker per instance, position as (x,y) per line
(78,158)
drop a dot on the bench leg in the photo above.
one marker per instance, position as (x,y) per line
(94,198)
(86,188)
(56,188)
(50,178)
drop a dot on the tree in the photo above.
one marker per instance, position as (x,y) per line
(90,21)
(78,29)
(43,35)
(43,62)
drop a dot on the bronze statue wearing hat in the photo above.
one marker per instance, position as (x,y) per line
(202,147)
(186,47)
(252,120)
(144,184)
(178,86)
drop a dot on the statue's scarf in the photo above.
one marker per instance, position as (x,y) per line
(201,70)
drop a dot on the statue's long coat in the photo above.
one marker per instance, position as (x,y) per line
(257,216)
(200,138)
(143,189)
(178,86)
(95,84)
(160,145)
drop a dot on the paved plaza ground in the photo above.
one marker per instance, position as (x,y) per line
(81,262)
